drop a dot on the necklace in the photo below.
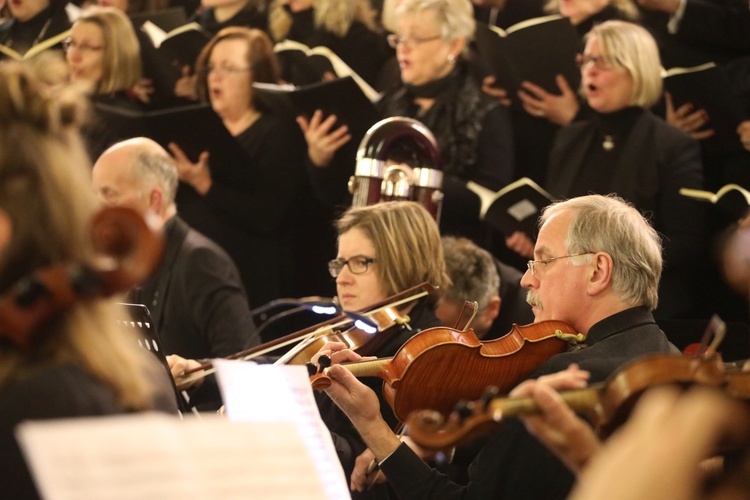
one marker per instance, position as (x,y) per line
(609,142)
(39,37)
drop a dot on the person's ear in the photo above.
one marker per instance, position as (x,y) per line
(493,309)
(601,273)
(156,201)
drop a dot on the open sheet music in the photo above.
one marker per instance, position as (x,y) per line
(155,456)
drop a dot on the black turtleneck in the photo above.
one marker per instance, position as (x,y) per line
(611,132)
(24,35)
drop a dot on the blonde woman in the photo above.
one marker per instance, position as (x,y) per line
(347,27)
(79,363)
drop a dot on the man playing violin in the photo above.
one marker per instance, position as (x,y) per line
(597,267)
(196,297)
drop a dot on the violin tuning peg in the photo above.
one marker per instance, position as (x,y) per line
(324,362)
(311,369)
(489,394)
(463,409)
(28,290)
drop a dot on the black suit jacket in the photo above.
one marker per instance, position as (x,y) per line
(196,298)
(655,161)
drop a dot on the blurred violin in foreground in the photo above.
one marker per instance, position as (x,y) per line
(126,250)
(607,405)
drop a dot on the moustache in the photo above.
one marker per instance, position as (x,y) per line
(533,299)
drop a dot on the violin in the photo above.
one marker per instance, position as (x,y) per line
(439,366)
(384,314)
(127,251)
(607,405)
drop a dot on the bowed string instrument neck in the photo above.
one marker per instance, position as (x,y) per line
(385,314)
(126,249)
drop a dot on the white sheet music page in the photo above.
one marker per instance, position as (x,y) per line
(157,456)
(274,445)
(273,393)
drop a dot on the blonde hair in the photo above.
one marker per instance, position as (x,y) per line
(406,240)
(335,16)
(45,192)
(632,47)
(121,55)
(628,8)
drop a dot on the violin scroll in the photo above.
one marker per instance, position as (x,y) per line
(127,252)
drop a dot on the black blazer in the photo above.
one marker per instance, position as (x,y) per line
(196,298)
(655,161)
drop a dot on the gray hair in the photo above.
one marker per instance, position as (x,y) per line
(472,270)
(152,167)
(610,224)
(455,17)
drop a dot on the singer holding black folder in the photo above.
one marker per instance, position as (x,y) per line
(250,212)
(437,88)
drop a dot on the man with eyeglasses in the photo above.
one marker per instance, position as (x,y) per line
(597,264)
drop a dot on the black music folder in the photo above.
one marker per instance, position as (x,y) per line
(516,207)
(731,198)
(708,88)
(342,97)
(194,128)
(535,50)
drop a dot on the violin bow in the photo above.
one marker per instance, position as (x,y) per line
(206,369)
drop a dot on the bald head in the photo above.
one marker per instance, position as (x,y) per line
(137,173)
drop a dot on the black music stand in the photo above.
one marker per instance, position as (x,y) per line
(148,338)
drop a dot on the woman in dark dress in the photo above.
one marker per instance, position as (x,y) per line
(250,212)
(437,88)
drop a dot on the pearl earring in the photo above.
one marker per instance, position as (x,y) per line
(451,58)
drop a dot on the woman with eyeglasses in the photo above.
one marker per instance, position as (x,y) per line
(383,249)
(438,88)
(103,58)
(625,149)
(252,213)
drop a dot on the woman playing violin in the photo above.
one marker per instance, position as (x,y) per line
(78,363)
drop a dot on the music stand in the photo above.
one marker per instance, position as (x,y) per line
(148,338)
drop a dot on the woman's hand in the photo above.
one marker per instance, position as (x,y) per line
(488,87)
(143,90)
(687,120)
(197,174)
(186,85)
(521,244)
(744,132)
(558,109)
(322,143)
